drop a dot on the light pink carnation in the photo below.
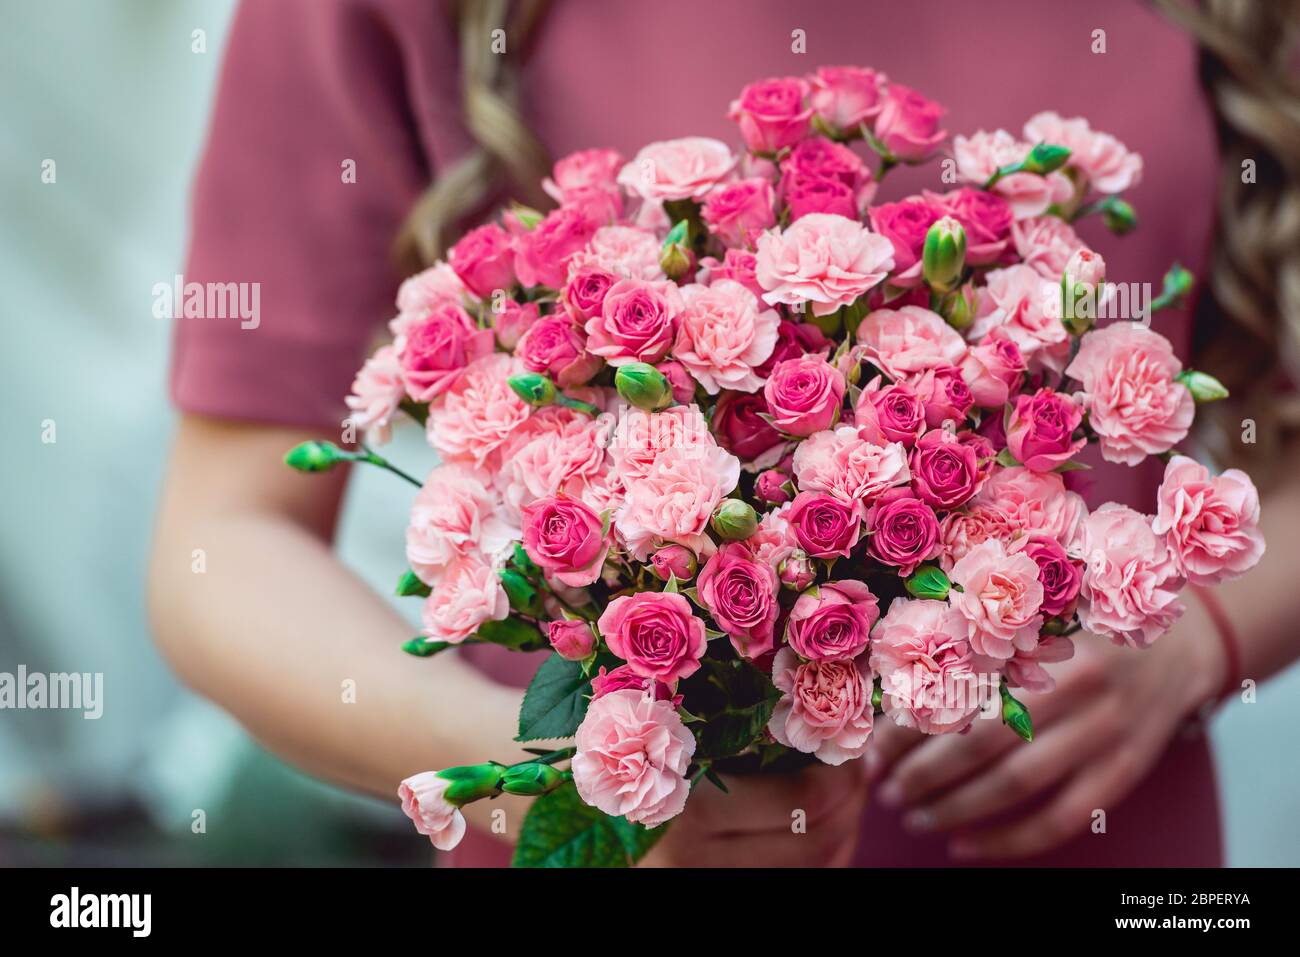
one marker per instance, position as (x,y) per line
(478,411)
(905,342)
(424,801)
(844,464)
(633,752)
(420,294)
(723,334)
(638,438)
(1130,579)
(825,708)
(928,677)
(824,259)
(1045,243)
(1135,405)
(675,499)
(1025,307)
(556,450)
(1109,165)
(981,154)
(959,532)
(1036,502)
(624,251)
(377,392)
(455,513)
(467,594)
(1000,599)
(677,169)
(1210,523)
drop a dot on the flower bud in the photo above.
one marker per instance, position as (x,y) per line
(797,571)
(1045,158)
(928,581)
(676,261)
(943,255)
(531,779)
(1081,285)
(1119,216)
(643,386)
(535,389)
(315,456)
(1015,715)
(1177,284)
(526,216)
(735,520)
(573,640)
(674,561)
(774,486)
(1203,386)
(524,596)
(471,782)
(958,307)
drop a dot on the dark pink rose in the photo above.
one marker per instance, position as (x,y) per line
(945,394)
(587,180)
(572,640)
(674,561)
(820,158)
(484,259)
(804,395)
(905,224)
(1060,577)
(637,322)
(557,347)
(655,633)
(833,620)
(622,678)
(737,212)
(843,97)
(740,593)
(564,537)
(584,292)
(512,321)
(946,472)
(825,526)
(894,413)
(770,486)
(994,369)
(805,195)
(904,530)
(542,253)
(984,215)
(772,114)
(908,124)
(1040,433)
(739,427)
(438,347)
(794,339)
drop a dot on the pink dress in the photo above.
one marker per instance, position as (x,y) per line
(307,86)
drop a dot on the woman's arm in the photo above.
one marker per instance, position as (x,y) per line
(274,625)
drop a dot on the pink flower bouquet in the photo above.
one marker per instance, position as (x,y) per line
(755,457)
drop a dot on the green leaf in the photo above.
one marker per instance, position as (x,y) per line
(750,698)
(513,633)
(1006,459)
(561,831)
(409,585)
(555,702)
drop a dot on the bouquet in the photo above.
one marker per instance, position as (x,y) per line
(755,457)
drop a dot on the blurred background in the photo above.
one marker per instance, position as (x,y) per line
(117,95)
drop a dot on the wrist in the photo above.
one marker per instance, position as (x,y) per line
(1208,632)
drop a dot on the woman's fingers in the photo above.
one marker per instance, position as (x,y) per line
(889,742)
(773,802)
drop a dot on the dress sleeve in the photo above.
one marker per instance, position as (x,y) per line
(305,87)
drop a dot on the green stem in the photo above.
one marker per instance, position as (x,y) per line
(369,457)
(550,757)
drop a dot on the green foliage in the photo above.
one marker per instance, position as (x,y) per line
(555,702)
(561,831)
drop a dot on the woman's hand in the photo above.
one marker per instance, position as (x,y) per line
(756,825)
(1113,713)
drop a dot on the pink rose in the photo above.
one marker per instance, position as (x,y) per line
(584,291)
(843,97)
(633,752)
(737,212)
(771,113)
(675,500)
(825,708)
(945,394)
(467,594)
(905,224)
(833,620)
(674,561)
(847,466)
(772,486)
(586,180)
(741,430)
(478,411)
(420,294)
(1019,303)
(959,532)
(826,260)
(905,342)
(679,381)
(455,513)
(795,339)
(816,195)
(1045,244)
(637,322)
(986,218)
(564,537)
(993,369)
(622,678)
(512,320)
(1040,433)
(1036,502)
(737,264)
(1108,163)
(740,594)
(437,348)
(1135,403)
(572,640)
(904,531)
(1130,579)
(377,393)
(820,158)
(655,633)
(946,472)
(1001,598)
(928,677)
(980,155)
(542,253)
(484,260)
(825,526)
(894,413)
(555,346)
(424,801)
(804,395)
(723,335)
(1060,577)
(1210,524)
(677,169)
(908,124)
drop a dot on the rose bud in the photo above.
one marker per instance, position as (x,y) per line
(797,570)
(643,386)
(535,389)
(734,519)
(681,382)
(572,640)
(943,255)
(676,561)
(773,486)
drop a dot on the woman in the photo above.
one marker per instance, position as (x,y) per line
(406,91)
